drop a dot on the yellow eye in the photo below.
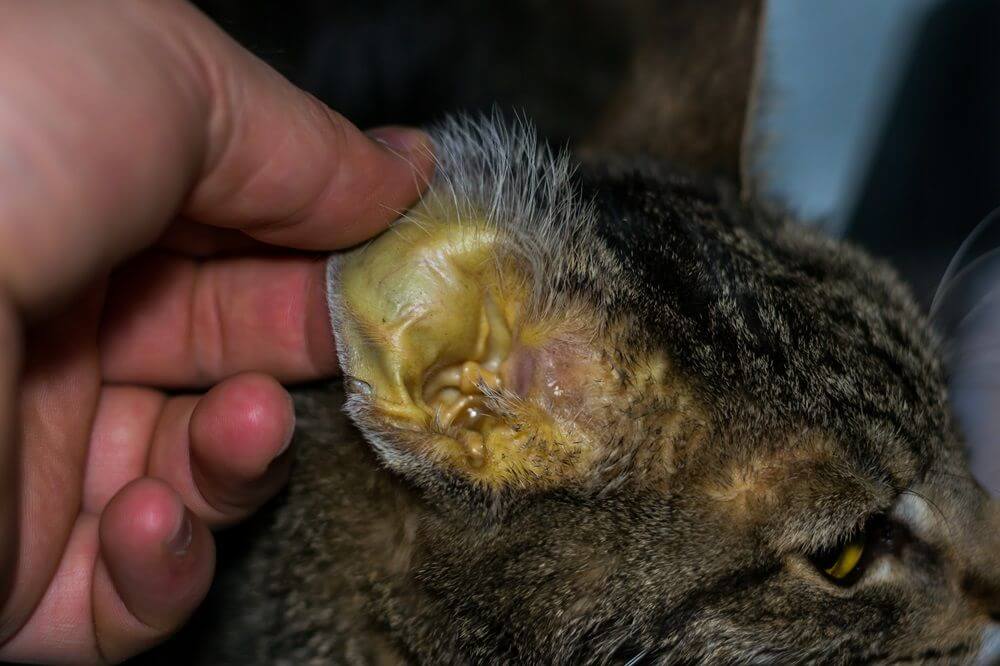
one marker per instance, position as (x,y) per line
(845,562)
(846,559)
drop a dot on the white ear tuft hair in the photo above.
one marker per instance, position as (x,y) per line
(500,173)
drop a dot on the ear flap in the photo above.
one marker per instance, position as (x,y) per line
(691,91)
(454,374)
(473,338)
(449,372)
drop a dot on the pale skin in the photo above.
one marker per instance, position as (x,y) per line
(163,198)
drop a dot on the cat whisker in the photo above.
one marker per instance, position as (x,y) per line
(952,274)
(981,305)
(420,182)
(956,259)
(994,490)
(979,262)
(637,659)
(941,514)
(368,244)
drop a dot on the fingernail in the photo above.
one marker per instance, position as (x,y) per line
(179,543)
(290,435)
(401,139)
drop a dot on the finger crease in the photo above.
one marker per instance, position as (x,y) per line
(207,332)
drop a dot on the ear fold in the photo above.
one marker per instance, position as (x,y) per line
(453,376)
(473,338)
(452,372)
(448,372)
(691,89)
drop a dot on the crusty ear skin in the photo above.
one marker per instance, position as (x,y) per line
(450,373)
(445,370)
(471,347)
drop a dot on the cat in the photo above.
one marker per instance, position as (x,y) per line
(601,408)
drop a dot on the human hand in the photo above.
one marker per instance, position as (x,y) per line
(149,167)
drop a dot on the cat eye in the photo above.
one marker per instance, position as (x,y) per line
(844,562)
(841,562)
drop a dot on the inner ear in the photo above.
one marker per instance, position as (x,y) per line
(434,322)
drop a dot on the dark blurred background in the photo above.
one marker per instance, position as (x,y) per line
(881,120)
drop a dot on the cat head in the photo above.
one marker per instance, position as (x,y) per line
(649,422)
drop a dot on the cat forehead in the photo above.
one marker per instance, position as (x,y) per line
(802,487)
(770,316)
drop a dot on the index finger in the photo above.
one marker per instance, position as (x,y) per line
(172,321)
(91,174)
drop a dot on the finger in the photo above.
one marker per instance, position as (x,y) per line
(59,628)
(10,372)
(206,127)
(173,321)
(225,453)
(120,438)
(240,434)
(352,189)
(155,567)
(57,398)
(125,580)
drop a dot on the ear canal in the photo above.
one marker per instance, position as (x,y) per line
(457,394)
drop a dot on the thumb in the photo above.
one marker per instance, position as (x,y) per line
(203,128)
(281,165)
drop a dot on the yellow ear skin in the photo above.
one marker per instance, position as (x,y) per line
(435,317)
(409,307)
(431,318)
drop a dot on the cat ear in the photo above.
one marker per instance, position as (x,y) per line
(447,369)
(691,93)
(459,365)
(483,336)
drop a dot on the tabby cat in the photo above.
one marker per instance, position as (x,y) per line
(601,409)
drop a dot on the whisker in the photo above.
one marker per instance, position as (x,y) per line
(950,272)
(995,490)
(937,509)
(368,244)
(981,354)
(974,265)
(405,215)
(636,659)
